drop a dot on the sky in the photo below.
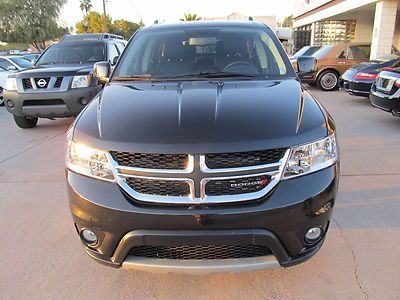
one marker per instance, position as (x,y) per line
(173,10)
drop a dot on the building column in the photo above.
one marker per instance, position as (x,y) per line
(384,23)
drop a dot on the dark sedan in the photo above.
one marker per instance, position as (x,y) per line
(358,80)
(385,92)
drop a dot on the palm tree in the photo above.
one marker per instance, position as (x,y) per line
(190,17)
(86,6)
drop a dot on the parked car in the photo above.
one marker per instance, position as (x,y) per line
(334,60)
(305,51)
(359,79)
(60,84)
(192,160)
(31,56)
(385,91)
(3,75)
(14,63)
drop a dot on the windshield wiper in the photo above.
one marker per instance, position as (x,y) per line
(133,77)
(212,75)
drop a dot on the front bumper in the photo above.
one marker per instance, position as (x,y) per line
(356,88)
(279,221)
(67,103)
(385,102)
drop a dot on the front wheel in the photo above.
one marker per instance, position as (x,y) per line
(1,97)
(328,81)
(25,122)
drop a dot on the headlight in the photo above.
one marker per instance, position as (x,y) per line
(312,157)
(88,161)
(81,81)
(10,84)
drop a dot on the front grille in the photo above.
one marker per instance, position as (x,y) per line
(159,187)
(43,102)
(26,83)
(151,161)
(42,83)
(200,252)
(244,159)
(58,82)
(237,186)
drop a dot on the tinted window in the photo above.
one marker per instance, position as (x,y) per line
(359,52)
(5,64)
(21,62)
(323,51)
(73,53)
(386,58)
(175,52)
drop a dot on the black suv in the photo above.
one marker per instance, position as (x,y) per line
(60,84)
(203,153)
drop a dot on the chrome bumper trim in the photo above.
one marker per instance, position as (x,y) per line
(201,267)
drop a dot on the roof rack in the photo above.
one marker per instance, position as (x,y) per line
(90,37)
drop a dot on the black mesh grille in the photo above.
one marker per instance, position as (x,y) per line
(244,159)
(58,82)
(26,83)
(237,185)
(151,161)
(201,252)
(43,102)
(159,187)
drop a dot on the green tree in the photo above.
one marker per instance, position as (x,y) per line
(30,21)
(288,21)
(93,22)
(86,6)
(190,17)
(124,28)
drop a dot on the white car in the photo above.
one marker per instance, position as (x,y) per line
(14,62)
(3,75)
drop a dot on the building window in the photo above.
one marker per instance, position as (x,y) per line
(329,32)
(301,37)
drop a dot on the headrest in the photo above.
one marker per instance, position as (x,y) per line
(173,50)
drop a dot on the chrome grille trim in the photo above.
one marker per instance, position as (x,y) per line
(198,174)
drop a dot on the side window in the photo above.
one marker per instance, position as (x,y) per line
(343,54)
(359,52)
(120,47)
(5,64)
(112,52)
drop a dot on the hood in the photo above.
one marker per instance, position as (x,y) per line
(201,117)
(56,69)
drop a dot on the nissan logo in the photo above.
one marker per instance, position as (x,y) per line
(41,83)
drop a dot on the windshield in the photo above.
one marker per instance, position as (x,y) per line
(301,52)
(323,51)
(21,62)
(73,53)
(386,58)
(201,52)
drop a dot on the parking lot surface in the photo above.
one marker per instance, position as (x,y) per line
(41,256)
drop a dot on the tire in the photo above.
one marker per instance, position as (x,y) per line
(1,97)
(328,80)
(25,122)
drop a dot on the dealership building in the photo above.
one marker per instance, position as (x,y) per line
(319,22)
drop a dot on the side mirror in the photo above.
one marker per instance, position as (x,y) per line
(101,71)
(306,65)
(11,68)
(115,60)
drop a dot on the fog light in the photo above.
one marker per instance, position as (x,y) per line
(88,237)
(84,101)
(10,104)
(313,234)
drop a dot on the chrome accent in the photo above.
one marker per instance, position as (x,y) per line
(390,85)
(205,169)
(202,266)
(189,175)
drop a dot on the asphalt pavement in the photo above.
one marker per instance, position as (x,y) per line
(41,256)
